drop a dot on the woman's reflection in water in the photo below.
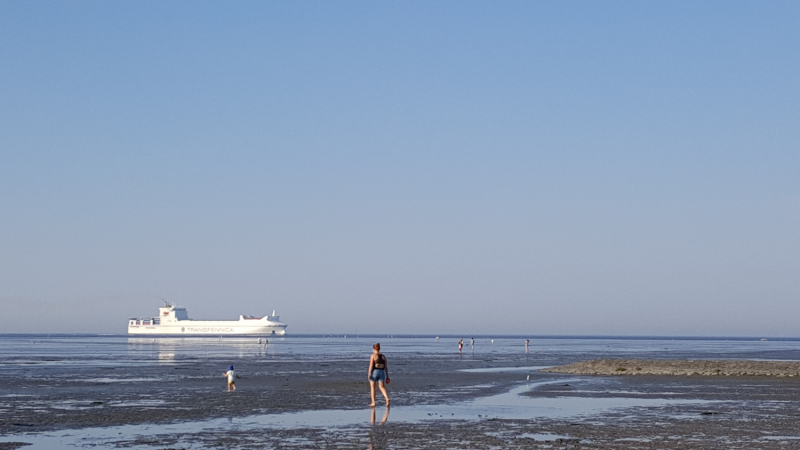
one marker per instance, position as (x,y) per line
(377,439)
(385,416)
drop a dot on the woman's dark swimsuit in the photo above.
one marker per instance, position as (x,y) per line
(379,369)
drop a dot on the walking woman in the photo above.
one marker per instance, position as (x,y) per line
(378,373)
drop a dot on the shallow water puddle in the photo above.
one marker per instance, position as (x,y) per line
(508,405)
(116,380)
(539,437)
(505,369)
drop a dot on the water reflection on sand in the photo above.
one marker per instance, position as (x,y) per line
(507,405)
(373,415)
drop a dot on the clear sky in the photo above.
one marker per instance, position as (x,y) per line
(403,167)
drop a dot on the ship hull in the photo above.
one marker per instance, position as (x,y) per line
(209,328)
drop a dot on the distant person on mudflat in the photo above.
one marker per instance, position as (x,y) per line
(526,345)
(378,373)
(231,378)
(460,345)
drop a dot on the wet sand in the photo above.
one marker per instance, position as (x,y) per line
(87,397)
(675,412)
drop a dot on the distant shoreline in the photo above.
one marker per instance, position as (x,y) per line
(448,336)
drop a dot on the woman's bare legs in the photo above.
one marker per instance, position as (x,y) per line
(372,392)
(383,391)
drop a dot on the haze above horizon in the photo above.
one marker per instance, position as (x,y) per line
(542,168)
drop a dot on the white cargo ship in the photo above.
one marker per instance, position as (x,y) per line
(175,321)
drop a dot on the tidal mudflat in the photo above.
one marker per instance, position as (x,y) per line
(726,368)
(163,396)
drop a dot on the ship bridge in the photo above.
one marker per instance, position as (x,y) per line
(171,313)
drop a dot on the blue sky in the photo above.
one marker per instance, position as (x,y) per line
(418,167)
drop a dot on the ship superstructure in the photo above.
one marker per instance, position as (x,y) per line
(174,321)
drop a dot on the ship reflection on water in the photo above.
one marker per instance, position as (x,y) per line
(168,349)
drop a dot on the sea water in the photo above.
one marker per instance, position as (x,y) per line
(103,350)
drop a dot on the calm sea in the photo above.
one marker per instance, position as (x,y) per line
(102,350)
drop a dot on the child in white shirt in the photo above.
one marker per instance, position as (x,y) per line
(231,378)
